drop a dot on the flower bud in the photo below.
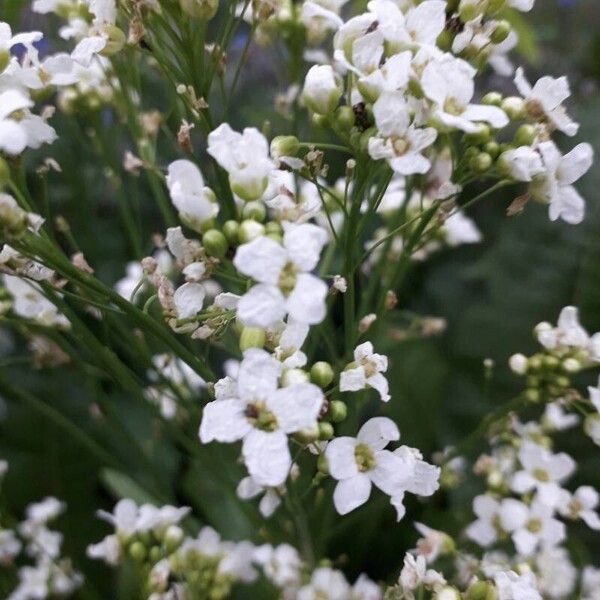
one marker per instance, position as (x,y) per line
(514,107)
(481,136)
(252,337)
(137,551)
(284,145)
(200,9)
(492,99)
(591,426)
(447,593)
(492,148)
(215,243)
(322,89)
(254,210)
(518,364)
(115,40)
(273,227)
(482,590)
(501,32)
(532,395)
(231,231)
(344,117)
(481,163)
(337,411)
(322,465)
(524,136)
(571,365)
(173,537)
(321,373)
(4,59)
(250,230)
(308,435)
(293,376)
(468,10)
(326,431)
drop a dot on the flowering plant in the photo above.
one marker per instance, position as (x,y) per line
(249,337)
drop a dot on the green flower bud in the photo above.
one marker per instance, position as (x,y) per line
(284,145)
(524,135)
(482,590)
(276,237)
(215,243)
(551,362)
(307,436)
(322,89)
(514,107)
(535,363)
(321,373)
(273,227)
(444,40)
(467,11)
(138,552)
(116,40)
(344,117)
(447,593)
(200,9)
(481,163)
(252,337)
(492,99)
(337,411)
(365,137)
(571,365)
(254,210)
(501,32)
(173,537)
(155,554)
(326,431)
(4,59)
(532,395)
(322,465)
(481,136)
(250,230)
(231,231)
(492,148)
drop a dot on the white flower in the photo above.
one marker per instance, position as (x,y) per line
(399,142)
(512,586)
(365,589)
(448,83)
(554,186)
(325,584)
(367,372)
(281,564)
(322,89)
(539,529)
(248,489)
(286,285)
(544,100)
(507,514)
(194,201)
(557,418)
(415,572)
(582,505)
(359,462)
(542,471)
(10,546)
(555,572)
(522,163)
(188,300)
(245,157)
(8,41)
(255,411)
(590,584)
(320,17)
(460,229)
(108,550)
(431,545)
(13,135)
(393,75)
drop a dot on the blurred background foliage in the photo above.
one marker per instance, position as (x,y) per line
(491,295)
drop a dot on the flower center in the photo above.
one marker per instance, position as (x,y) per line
(261,418)
(363,455)
(453,107)
(534,525)
(401,146)
(535,109)
(287,278)
(541,475)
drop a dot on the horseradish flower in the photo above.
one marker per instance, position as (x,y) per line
(285,284)
(522,163)
(366,371)
(8,41)
(325,583)
(281,564)
(582,505)
(494,517)
(358,463)
(544,101)
(322,89)
(539,529)
(554,186)
(400,143)
(253,409)
(195,202)
(448,83)
(511,586)
(245,157)
(248,489)
(542,471)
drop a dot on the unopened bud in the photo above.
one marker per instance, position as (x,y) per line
(518,364)
(255,211)
(571,365)
(116,39)
(293,376)
(252,337)
(514,107)
(215,243)
(326,431)
(137,551)
(482,590)
(321,374)
(200,9)
(337,411)
(284,145)
(250,230)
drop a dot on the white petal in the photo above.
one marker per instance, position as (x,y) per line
(267,457)
(390,472)
(248,488)
(262,259)
(262,306)
(575,164)
(493,115)
(188,300)
(352,380)
(224,421)
(297,406)
(340,458)
(380,383)
(306,303)
(304,244)
(568,206)
(258,375)
(378,432)
(351,493)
